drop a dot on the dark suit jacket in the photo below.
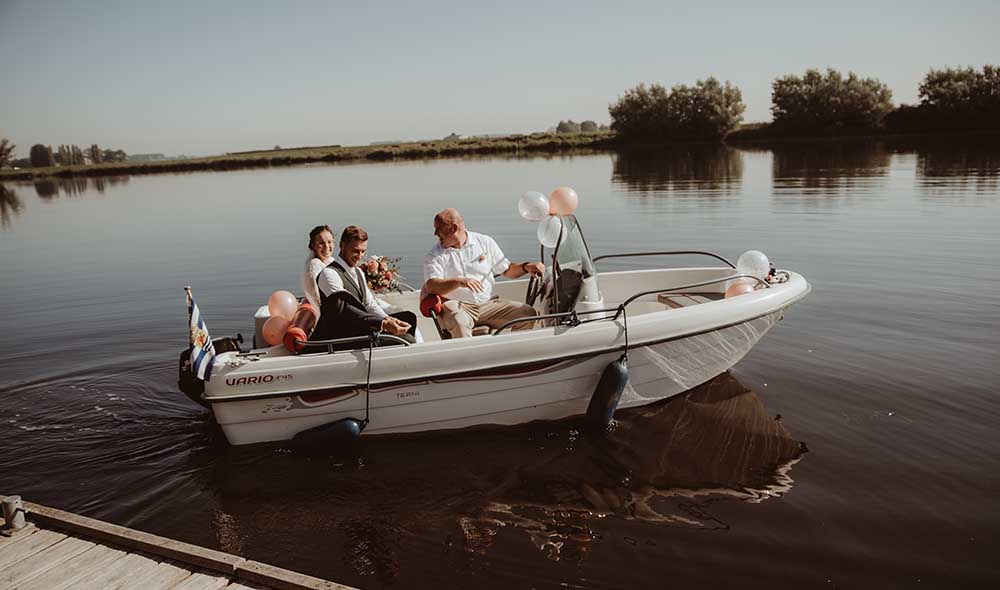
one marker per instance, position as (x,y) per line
(343,314)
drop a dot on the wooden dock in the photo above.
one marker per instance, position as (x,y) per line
(59,550)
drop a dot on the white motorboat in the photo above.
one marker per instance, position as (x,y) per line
(678,328)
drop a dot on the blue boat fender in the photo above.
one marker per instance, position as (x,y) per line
(607,395)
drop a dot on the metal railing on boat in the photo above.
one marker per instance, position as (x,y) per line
(332,343)
(672,253)
(572,318)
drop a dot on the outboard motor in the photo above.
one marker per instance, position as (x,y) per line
(607,395)
(188,382)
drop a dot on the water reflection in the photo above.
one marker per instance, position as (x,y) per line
(716,442)
(49,188)
(46,188)
(545,484)
(825,169)
(10,204)
(945,170)
(716,169)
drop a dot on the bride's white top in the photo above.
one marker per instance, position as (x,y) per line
(314,266)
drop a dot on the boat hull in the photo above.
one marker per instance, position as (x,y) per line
(508,394)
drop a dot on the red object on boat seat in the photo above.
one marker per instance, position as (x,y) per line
(300,327)
(431,306)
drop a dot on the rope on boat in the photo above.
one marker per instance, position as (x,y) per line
(625,325)
(368,381)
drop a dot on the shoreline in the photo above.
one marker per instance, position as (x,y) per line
(538,143)
(510,144)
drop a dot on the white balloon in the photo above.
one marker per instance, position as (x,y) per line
(533,206)
(753,263)
(549,230)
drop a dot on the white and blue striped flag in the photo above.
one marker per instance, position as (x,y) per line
(202,351)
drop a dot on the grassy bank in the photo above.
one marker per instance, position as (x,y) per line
(511,144)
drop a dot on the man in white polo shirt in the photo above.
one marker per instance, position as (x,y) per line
(461,268)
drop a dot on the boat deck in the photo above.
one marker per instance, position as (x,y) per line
(665,301)
(59,550)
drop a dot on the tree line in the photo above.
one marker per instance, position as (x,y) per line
(571,126)
(816,103)
(64,155)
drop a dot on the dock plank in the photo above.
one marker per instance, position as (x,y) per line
(27,546)
(282,579)
(132,539)
(7,541)
(41,562)
(66,575)
(203,581)
(162,577)
(117,574)
(64,551)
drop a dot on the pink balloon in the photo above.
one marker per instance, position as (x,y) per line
(739,287)
(274,329)
(282,304)
(563,201)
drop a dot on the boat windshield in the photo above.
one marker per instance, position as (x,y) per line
(572,266)
(572,252)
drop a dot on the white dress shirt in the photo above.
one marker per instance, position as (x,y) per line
(479,258)
(330,283)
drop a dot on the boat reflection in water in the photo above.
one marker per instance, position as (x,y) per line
(663,464)
(382,508)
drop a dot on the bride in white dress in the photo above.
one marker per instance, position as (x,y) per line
(320,255)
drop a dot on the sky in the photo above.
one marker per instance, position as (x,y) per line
(206,77)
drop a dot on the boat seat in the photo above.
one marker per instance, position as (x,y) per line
(431,307)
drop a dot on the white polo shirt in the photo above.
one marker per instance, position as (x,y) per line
(479,258)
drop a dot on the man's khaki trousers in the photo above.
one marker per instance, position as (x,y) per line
(459,317)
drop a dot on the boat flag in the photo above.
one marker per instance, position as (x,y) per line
(202,350)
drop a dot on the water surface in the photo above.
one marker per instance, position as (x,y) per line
(856,446)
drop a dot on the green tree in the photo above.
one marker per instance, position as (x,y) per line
(588,127)
(113,156)
(818,102)
(569,126)
(963,95)
(6,152)
(95,154)
(41,156)
(707,110)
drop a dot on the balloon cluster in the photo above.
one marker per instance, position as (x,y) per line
(753,263)
(281,305)
(534,206)
(290,323)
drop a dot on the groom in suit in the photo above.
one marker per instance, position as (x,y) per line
(347,306)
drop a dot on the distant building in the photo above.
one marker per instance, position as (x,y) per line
(453,136)
(145,157)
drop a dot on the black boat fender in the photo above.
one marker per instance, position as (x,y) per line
(342,431)
(607,395)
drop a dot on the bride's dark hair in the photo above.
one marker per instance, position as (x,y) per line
(317,231)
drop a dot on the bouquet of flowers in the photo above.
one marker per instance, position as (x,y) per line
(381,273)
